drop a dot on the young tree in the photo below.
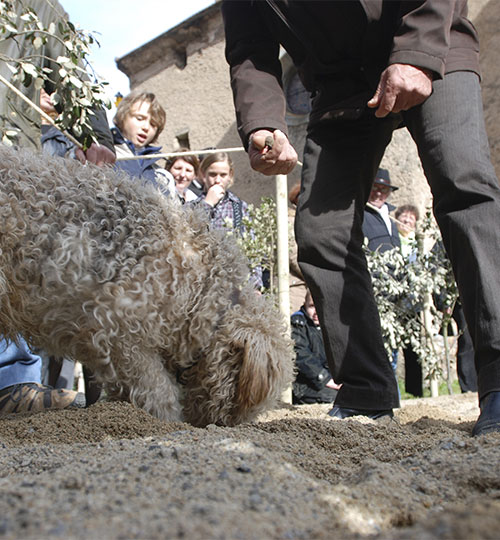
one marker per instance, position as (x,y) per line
(405,291)
(69,76)
(259,237)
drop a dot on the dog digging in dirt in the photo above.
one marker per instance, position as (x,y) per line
(106,271)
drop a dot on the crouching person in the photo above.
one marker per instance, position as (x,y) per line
(314,383)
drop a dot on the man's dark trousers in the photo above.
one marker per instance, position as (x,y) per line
(341,158)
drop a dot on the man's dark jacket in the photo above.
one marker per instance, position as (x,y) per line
(311,363)
(340,49)
(375,231)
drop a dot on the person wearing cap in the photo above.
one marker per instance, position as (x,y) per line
(381,234)
(378,227)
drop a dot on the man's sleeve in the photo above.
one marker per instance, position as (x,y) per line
(99,123)
(253,56)
(422,37)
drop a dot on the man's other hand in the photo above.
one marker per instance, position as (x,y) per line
(400,88)
(98,154)
(271,153)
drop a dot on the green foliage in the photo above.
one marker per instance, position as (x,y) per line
(71,82)
(404,290)
(259,239)
(411,294)
(443,390)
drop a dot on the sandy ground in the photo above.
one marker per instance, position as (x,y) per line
(113,471)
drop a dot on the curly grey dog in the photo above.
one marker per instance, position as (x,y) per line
(104,270)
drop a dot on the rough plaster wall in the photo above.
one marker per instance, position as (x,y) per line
(402,161)
(199,98)
(195,98)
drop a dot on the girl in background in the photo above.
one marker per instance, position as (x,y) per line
(225,209)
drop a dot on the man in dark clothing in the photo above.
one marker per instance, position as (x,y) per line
(373,67)
(314,383)
(467,377)
(381,234)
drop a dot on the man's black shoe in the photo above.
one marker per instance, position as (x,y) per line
(344,412)
(489,419)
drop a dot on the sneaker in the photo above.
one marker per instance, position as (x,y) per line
(34,397)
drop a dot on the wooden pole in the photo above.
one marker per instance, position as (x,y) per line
(283,258)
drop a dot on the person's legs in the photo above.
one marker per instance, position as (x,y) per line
(66,376)
(467,376)
(394,361)
(20,388)
(18,364)
(450,134)
(93,389)
(413,373)
(340,162)
(449,131)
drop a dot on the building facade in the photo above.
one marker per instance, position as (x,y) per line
(185,67)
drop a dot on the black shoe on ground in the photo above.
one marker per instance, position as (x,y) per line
(489,419)
(344,412)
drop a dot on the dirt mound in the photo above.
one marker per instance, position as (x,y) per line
(113,471)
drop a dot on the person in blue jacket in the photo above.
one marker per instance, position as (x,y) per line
(139,120)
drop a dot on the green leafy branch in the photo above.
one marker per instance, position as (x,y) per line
(69,77)
(404,290)
(258,238)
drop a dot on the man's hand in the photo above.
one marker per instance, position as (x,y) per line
(333,385)
(401,87)
(97,154)
(270,158)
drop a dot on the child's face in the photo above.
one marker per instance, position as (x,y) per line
(311,311)
(137,126)
(218,173)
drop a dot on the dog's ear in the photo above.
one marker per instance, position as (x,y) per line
(255,378)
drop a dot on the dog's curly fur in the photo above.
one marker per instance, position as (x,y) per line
(101,269)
